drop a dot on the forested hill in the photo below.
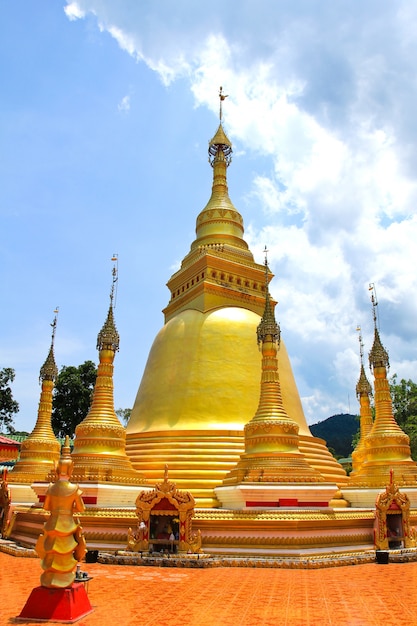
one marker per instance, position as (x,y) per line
(337,431)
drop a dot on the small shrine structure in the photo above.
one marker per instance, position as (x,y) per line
(164,521)
(392,519)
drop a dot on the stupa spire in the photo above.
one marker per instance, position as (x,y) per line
(219,223)
(386,445)
(100,440)
(271,436)
(363,393)
(41,450)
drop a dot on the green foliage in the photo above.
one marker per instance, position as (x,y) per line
(124,415)
(338,432)
(404,405)
(8,406)
(72,397)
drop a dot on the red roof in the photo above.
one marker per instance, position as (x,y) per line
(6,441)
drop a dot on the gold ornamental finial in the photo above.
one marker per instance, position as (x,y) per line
(222,97)
(108,337)
(268,325)
(220,147)
(374,301)
(115,275)
(363,386)
(49,370)
(378,356)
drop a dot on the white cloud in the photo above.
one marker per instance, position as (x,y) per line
(124,104)
(329,97)
(73,11)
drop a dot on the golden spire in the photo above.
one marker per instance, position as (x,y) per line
(271,437)
(40,451)
(386,445)
(219,222)
(100,440)
(363,393)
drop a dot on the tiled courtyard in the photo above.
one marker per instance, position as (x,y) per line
(358,595)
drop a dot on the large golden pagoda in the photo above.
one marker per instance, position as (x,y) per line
(99,453)
(201,382)
(41,450)
(387,446)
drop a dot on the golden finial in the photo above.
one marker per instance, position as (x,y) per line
(363,385)
(268,325)
(359,330)
(115,272)
(220,147)
(222,97)
(49,369)
(374,301)
(378,356)
(108,337)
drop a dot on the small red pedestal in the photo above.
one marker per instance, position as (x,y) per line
(66,605)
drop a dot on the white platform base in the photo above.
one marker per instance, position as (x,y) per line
(363,498)
(107,495)
(275,495)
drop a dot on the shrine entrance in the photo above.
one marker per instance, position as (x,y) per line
(392,519)
(164,521)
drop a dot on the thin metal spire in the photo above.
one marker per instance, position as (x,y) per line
(222,97)
(115,275)
(359,329)
(374,301)
(268,326)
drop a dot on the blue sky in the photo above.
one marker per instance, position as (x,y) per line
(106,111)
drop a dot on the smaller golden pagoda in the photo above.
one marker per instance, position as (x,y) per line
(40,451)
(99,452)
(363,393)
(387,446)
(272,471)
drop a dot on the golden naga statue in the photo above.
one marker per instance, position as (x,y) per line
(62,545)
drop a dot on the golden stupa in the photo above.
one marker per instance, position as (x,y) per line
(224,415)
(41,450)
(386,446)
(99,453)
(272,471)
(201,382)
(363,393)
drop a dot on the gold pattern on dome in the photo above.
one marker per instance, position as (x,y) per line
(164,521)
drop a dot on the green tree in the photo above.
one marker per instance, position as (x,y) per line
(72,397)
(404,405)
(8,406)
(124,415)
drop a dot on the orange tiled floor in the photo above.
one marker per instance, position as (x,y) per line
(358,595)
